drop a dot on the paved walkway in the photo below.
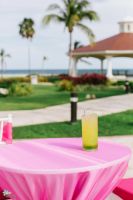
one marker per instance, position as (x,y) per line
(128,141)
(61,113)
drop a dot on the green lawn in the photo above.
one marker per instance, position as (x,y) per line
(44,96)
(115,124)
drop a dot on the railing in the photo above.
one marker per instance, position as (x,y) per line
(127,73)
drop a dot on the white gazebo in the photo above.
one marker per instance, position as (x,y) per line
(120,45)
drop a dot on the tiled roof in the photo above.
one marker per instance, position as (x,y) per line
(121,41)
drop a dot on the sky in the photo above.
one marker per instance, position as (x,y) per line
(52,41)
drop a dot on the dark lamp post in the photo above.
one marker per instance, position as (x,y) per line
(73,101)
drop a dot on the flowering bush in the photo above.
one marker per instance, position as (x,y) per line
(92,79)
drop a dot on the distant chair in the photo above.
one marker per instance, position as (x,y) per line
(124,189)
(6,129)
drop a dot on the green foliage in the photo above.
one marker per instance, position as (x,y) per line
(27,28)
(89,88)
(82,88)
(121,82)
(131,86)
(25,79)
(66,85)
(42,79)
(53,78)
(71,14)
(20,89)
(6,82)
(99,91)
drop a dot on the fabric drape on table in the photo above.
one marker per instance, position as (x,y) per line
(76,186)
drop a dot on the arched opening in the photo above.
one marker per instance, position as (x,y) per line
(91,64)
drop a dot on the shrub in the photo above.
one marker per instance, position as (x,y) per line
(20,89)
(53,78)
(6,82)
(92,79)
(82,88)
(89,88)
(131,86)
(66,85)
(119,83)
(42,79)
(25,79)
(64,76)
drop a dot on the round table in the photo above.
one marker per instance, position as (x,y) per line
(59,169)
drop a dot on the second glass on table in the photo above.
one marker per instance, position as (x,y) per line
(90,131)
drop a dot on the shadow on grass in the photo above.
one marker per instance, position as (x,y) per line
(130,124)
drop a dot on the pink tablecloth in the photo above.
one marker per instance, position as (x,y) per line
(59,169)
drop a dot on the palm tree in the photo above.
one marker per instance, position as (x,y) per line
(26,30)
(72,15)
(77,44)
(3,57)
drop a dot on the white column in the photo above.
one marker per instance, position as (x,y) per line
(109,67)
(102,65)
(73,67)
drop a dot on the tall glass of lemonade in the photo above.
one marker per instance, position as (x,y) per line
(90,131)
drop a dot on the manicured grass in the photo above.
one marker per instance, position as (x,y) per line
(44,96)
(115,124)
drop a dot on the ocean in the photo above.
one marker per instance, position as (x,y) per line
(24,72)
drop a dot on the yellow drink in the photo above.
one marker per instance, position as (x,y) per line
(90,131)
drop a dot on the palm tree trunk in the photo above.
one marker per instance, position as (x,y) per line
(70,41)
(43,72)
(70,49)
(29,56)
(2,68)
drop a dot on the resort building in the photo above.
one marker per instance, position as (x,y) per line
(120,45)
